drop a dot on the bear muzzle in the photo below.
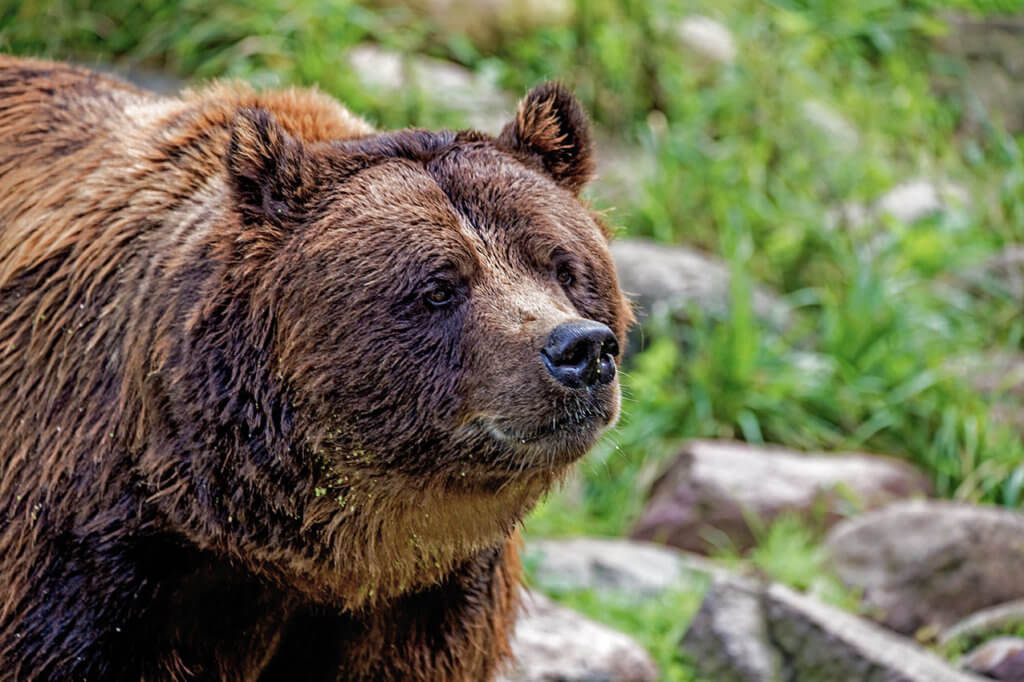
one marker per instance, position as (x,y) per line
(581,354)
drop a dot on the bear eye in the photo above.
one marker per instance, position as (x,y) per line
(564,275)
(440,295)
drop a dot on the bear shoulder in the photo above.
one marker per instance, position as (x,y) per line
(307,114)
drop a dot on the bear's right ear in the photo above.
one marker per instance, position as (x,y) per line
(269,170)
(551,128)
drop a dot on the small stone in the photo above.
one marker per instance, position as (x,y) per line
(920,198)
(907,202)
(1000,659)
(708,38)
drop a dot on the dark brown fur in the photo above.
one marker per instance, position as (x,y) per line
(237,442)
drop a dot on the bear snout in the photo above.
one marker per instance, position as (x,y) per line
(581,354)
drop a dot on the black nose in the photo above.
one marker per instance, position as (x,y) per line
(581,354)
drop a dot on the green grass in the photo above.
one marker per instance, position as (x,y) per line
(657,624)
(738,173)
(789,551)
(962,645)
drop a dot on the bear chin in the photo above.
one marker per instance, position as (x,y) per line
(554,444)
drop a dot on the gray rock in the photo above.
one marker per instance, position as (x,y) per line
(749,632)
(447,86)
(991,49)
(623,171)
(728,640)
(819,642)
(1000,659)
(985,622)
(713,488)
(662,279)
(931,563)
(906,202)
(554,644)
(707,38)
(612,565)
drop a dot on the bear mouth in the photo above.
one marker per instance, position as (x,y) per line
(558,428)
(552,442)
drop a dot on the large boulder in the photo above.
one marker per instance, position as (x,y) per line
(728,638)
(663,279)
(554,644)
(715,490)
(752,632)
(929,563)
(819,642)
(636,570)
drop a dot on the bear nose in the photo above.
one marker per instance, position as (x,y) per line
(581,354)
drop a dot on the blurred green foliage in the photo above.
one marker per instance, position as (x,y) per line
(739,172)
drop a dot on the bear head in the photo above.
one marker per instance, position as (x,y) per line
(412,335)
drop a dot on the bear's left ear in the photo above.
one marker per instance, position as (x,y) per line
(269,170)
(551,127)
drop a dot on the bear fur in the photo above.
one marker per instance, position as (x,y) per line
(271,398)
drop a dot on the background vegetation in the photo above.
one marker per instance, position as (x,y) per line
(863,362)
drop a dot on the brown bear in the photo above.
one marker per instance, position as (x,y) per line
(276,388)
